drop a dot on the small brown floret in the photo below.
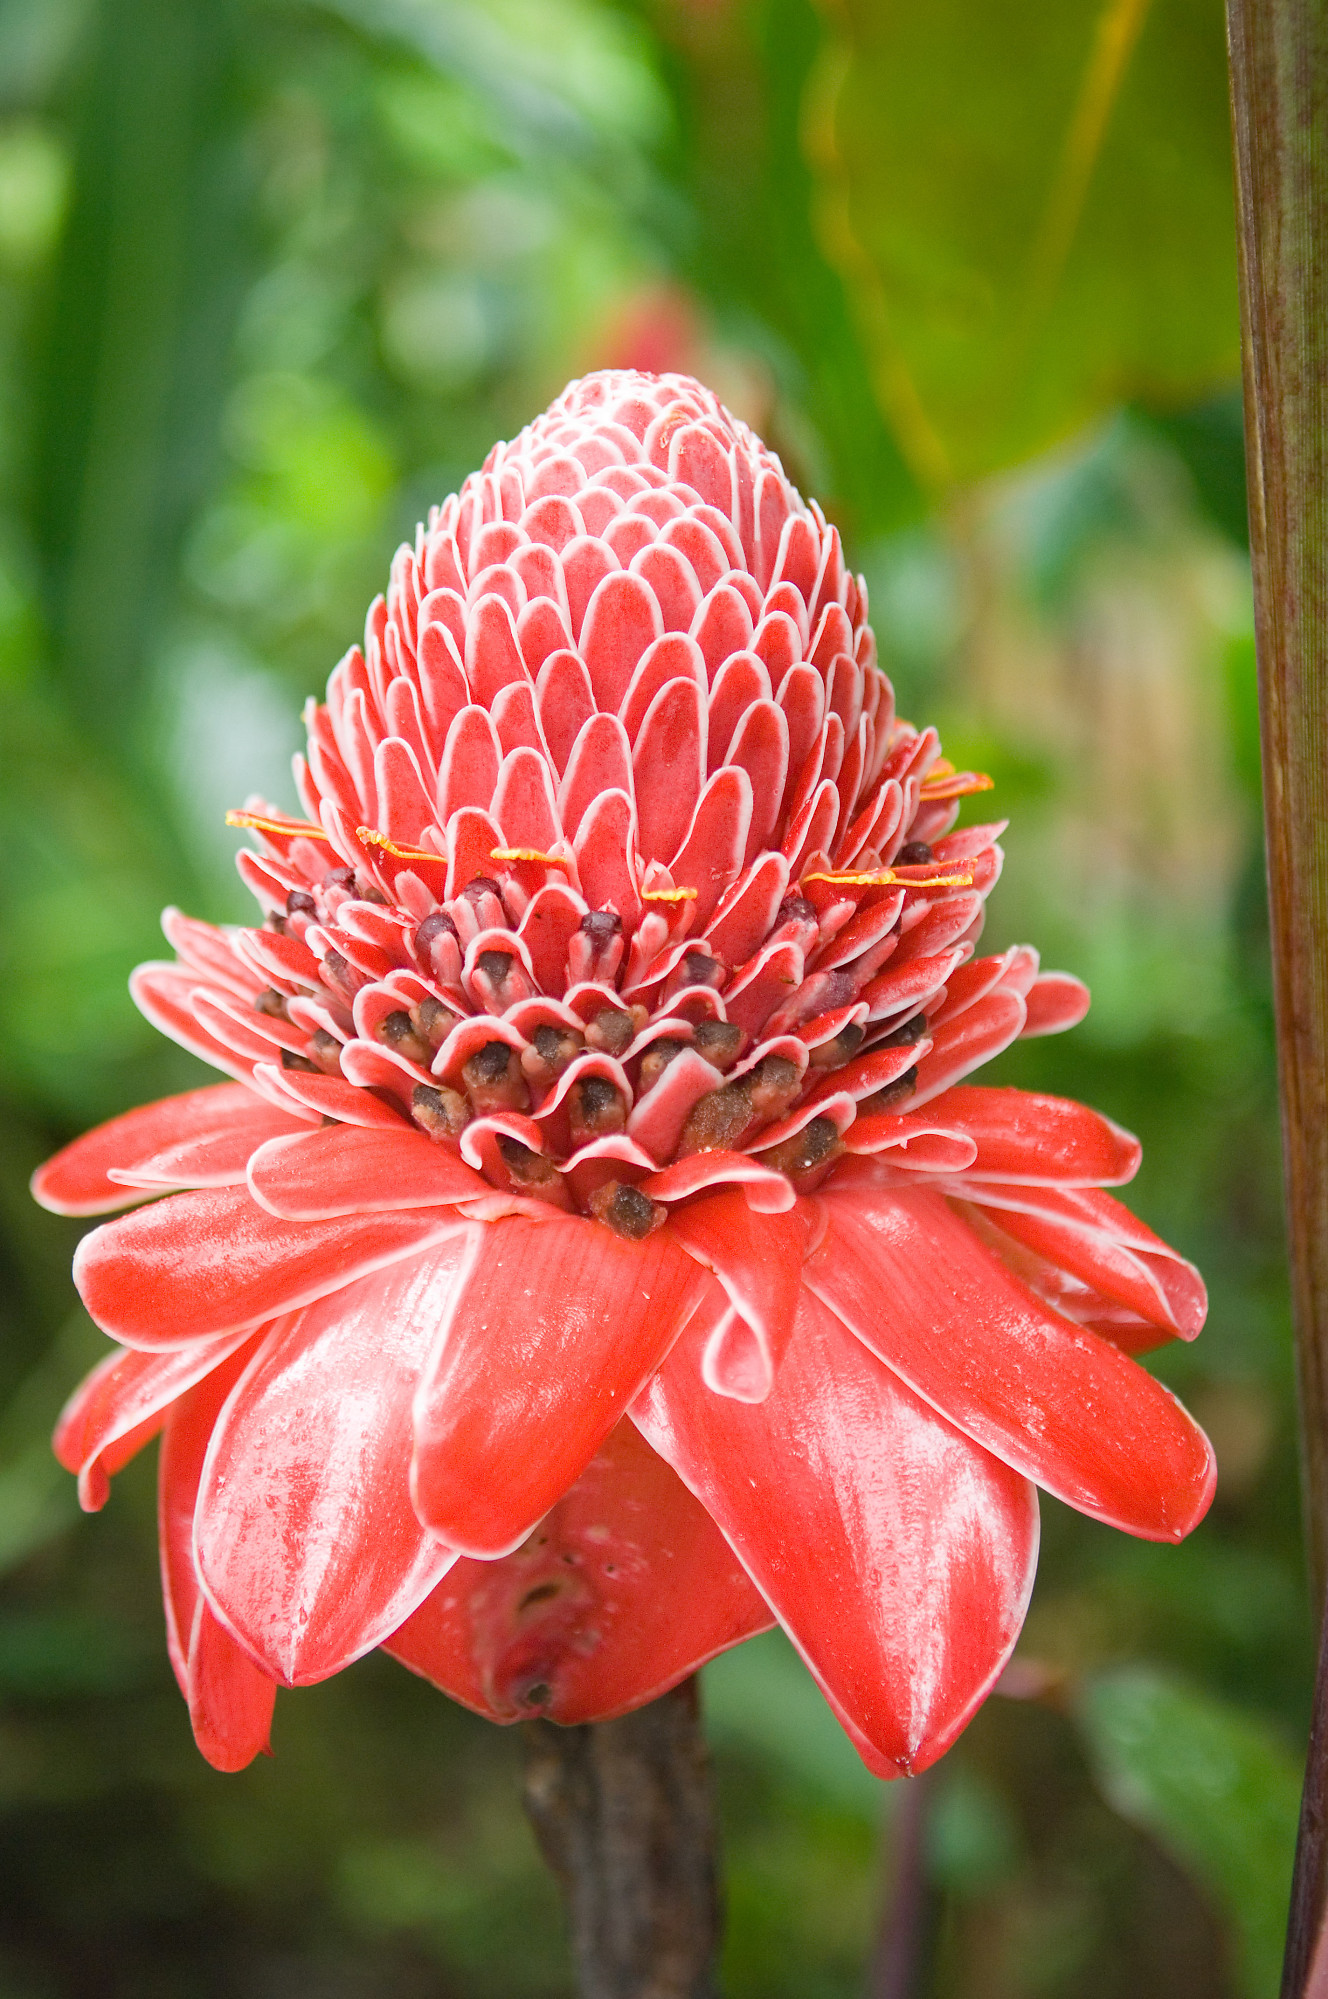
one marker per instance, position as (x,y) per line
(326,1051)
(611,1030)
(494,1081)
(718,1041)
(831,1053)
(811,1146)
(626,1210)
(552,1050)
(443,1113)
(595,1107)
(891,1097)
(397,1031)
(657,1059)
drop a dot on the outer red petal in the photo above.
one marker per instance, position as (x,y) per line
(230,1698)
(227,1116)
(122,1404)
(1056,1402)
(358,1169)
(1021,1135)
(622,1590)
(304,1534)
(1083,1230)
(550,1334)
(898,1556)
(758,1260)
(212,1261)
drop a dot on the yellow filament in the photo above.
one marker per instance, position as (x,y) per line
(291,828)
(887,878)
(372,839)
(669,894)
(527,854)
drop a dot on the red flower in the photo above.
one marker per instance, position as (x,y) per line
(598,1255)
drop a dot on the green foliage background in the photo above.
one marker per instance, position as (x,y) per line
(273,275)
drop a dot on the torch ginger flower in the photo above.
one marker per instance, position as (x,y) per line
(598,1255)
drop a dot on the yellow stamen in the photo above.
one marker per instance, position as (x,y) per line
(890,878)
(301,829)
(528,854)
(669,894)
(372,839)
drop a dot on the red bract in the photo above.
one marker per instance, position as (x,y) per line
(599,1255)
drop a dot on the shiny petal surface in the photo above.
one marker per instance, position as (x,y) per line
(230,1698)
(1021,1135)
(1055,1402)
(624,1588)
(358,1169)
(305,1537)
(226,1118)
(212,1261)
(897,1555)
(758,1260)
(551,1331)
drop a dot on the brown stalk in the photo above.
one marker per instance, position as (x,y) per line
(1279,89)
(624,1816)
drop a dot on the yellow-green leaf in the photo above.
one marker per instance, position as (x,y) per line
(1033,208)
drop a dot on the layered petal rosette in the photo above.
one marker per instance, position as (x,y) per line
(598,1252)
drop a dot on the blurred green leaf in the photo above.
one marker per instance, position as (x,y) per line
(1033,209)
(760,1696)
(1217,1790)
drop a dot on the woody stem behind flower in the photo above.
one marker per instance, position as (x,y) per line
(1279,58)
(624,1815)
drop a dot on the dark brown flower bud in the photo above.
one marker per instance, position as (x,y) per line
(719,1041)
(397,1031)
(657,1059)
(830,1054)
(326,1051)
(552,1050)
(811,1146)
(595,1107)
(494,1081)
(612,1029)
(626,1210)
(443,1113)
(891,1097)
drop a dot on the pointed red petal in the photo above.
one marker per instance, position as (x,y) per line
(965,1044)
(1055,1001)
(122,1404)
(305,1538)
(1084,1231)
(212,1261)
(225,1116)
(161,993)
(552,1331)
(624,1588)
(358,1169)
(758,1260)
(230,1698)
(897,1555)
(184,1446)
(1021,1135)
(1056,1402)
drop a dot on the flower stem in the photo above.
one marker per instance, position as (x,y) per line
(624,1815)
(904,1944)
(1279,91)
